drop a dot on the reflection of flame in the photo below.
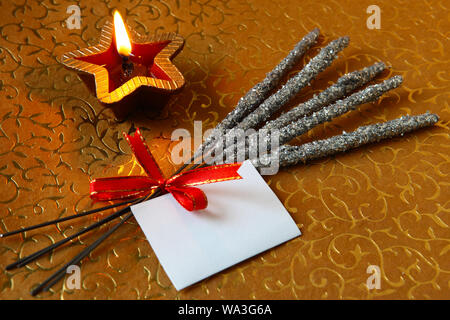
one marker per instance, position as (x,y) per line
(123,43)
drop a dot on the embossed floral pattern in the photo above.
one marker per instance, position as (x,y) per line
(385,204)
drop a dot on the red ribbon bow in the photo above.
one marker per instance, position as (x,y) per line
(180,185)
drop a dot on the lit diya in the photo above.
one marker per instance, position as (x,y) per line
(125,71)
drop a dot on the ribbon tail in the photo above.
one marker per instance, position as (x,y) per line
(105,189)
(144,156)
(190,198)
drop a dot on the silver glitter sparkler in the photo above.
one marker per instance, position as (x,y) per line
(272,104)
(291,155)
(316,65)
(343,86)
(303,125)
(369,94)
(260,91)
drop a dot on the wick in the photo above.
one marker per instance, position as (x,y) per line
(127,66)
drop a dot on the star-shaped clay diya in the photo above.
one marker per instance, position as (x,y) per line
(125,72)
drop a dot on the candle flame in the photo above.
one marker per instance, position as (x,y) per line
(123,43)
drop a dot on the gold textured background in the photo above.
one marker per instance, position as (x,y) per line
(386,204)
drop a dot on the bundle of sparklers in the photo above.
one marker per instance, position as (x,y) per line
(254,111)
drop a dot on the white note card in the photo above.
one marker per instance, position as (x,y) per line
(243,218)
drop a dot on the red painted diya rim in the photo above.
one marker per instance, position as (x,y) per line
(168,80)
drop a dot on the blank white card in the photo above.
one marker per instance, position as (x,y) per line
(243,218)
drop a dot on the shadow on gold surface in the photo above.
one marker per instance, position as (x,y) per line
(386,204)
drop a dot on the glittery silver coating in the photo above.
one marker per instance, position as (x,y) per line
(371,93)
(303,125)
(343,86)
(256,95)
(260,91)
(303,78)
(291,155)
(316,65)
